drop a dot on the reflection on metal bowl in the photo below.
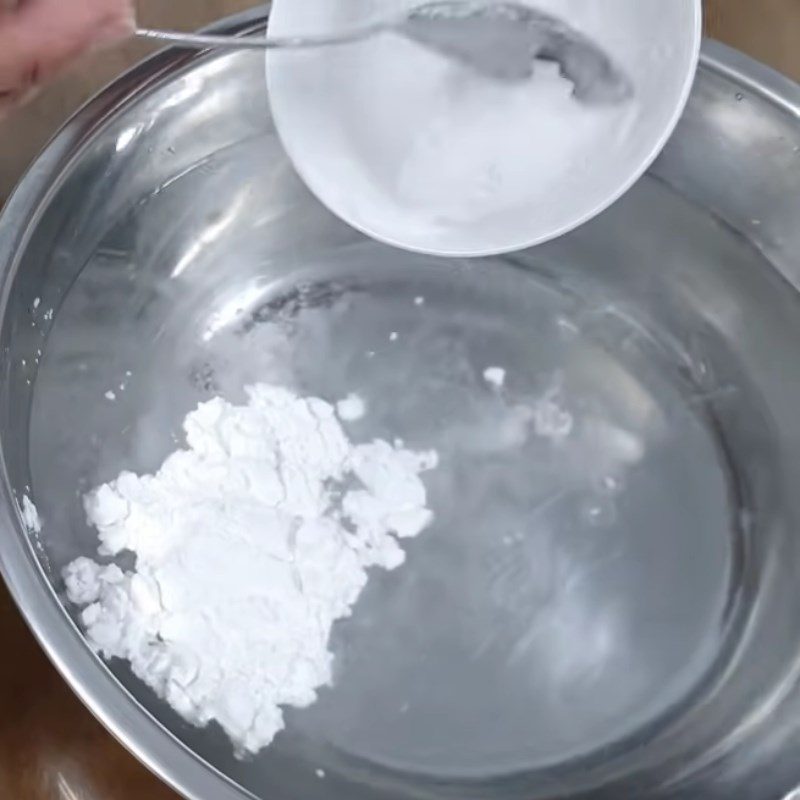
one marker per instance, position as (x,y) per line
(608,604)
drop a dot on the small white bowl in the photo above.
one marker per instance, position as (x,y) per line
(414,151)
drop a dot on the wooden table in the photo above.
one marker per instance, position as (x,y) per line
(51,748)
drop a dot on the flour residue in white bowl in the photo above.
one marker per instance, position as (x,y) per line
(417,151)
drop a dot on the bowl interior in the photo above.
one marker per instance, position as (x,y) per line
(592,605)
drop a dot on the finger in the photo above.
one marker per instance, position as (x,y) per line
(10,100)
(43,36)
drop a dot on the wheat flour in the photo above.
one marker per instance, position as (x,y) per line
(250,543)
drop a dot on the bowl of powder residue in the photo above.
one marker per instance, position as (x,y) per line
(418,151)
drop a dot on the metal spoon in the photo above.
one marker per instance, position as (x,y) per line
(500,41)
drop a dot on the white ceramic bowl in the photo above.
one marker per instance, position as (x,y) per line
(411,150)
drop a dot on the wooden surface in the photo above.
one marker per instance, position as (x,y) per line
(50,746)
(768,30)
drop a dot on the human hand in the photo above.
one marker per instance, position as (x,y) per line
(39,38)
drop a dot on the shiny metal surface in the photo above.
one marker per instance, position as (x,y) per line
(636,637)
(203,41)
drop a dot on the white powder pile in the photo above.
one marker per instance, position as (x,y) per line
(495,376)
(249,545)
(352,408)
(30,516)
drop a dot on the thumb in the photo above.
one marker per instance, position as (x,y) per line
(41,37)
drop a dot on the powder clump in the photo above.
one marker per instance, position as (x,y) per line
(249,544)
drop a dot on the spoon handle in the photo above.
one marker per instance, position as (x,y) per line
(202,41)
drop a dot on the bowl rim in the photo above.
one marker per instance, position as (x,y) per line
(120,713)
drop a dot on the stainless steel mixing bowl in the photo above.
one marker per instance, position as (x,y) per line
(608,604)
